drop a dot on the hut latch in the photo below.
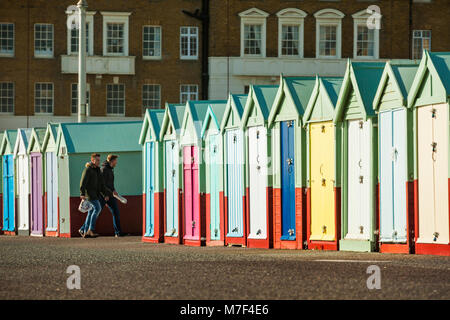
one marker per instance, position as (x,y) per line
(234,139)
(361,229)
(435,235)
(215,149)
(361,179)
(394,234)
(434,147)
(193,224)
(173,231)
(290,123)
(433,113)
(173,145)
(324,182)
(290,161)
(394,154)
(361,124)
(291,232)
(324,229)
(235,230)
(258,232)
(258,167)
(323,128)
(173,173)
(257,134)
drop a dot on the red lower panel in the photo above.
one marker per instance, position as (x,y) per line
(242,241)
(158,234)
(130,218)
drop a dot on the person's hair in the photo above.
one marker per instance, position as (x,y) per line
(112,157)
(95,155)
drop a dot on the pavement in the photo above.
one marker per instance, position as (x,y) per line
(126,268)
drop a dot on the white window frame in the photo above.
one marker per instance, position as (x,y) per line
(421,37)
(88,96)
(13,97)
(254,16)
(329,17)
(159,90)
(90,22)
(187,84)
(116,17)
(360,19)
(189,57)
(38,55)
(10,54)
(53,99)
(291,17)
(160,43)
(124,100)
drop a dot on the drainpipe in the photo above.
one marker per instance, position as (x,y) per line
(410,29)
(203,16)
(28,65)
(82,6)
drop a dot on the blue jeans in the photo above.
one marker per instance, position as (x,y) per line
(91,217)
(114,208)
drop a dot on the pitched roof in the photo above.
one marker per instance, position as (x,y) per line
(235,104)
(173,114)
(37,136)
(300,89)
(101,136)
(441,61)
(265,96)
(152,120)
(8,140)
(215,113)
(197,109)
(23,135)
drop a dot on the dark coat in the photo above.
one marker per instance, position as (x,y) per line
(92,185)
(108,175)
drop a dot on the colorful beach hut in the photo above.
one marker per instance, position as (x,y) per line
(357,127)
(169,135)
(234,170)
(153,171)
(36,162)
(258,176)
(8,179)
(191,143)
(395,159)
(289,161)
(23,180)
(429,98)
(214,175)
(76,142)
(323,166)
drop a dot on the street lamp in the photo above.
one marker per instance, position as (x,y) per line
(82,6)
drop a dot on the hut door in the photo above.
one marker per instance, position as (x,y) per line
(22,182)
(214,155)
(64,194)
(358,180)
(235,185)
(149,189)
(322,181)
(287,180)
(191,192)
(8,193)
(36,194)
(171,188)
(257,153)
(52,191)
(393,176)
(432,141)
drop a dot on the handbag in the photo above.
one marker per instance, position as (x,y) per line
(85,206)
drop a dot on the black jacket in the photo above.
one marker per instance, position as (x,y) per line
(92,185)
(108,175)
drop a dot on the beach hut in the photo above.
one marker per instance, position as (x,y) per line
(8,178)
(191,143)
(153,191)
(356,122)
(1,193)
(323,168)
(76,142)
(289,161)
(258,175)
(395,159)
(214,175)
(429,98)
(23,180)
(49,150)
(34,152)
(234,174)
(169,135)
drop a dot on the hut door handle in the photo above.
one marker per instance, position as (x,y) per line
(394,154)
(433,113)
(434,147)
(291,232)
(361,179)
(289,161)
(193,224)
(290,123)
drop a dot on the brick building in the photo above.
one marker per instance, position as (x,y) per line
(140,54)
(254,41)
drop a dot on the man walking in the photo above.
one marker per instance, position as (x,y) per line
(108,176)
(92,188)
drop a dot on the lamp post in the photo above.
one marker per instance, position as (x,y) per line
(82,6)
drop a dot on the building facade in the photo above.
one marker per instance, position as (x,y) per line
(139,55)
(252,42)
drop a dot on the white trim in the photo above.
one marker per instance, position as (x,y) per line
(116,17)
(90,22)
(189,57)
(144,57)
(329,17)
(291,16)
(254,16)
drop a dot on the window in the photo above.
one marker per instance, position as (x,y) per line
(74,97)
(115,99)
(253,32)
(43,40)
(365,40)
(188,42)
(6,97)
(73,35)
(6,39)
(115,33)
(290,32)
(328,33)
(43,97)
(151,42)
(151,96)
(421,41)
(188,92)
